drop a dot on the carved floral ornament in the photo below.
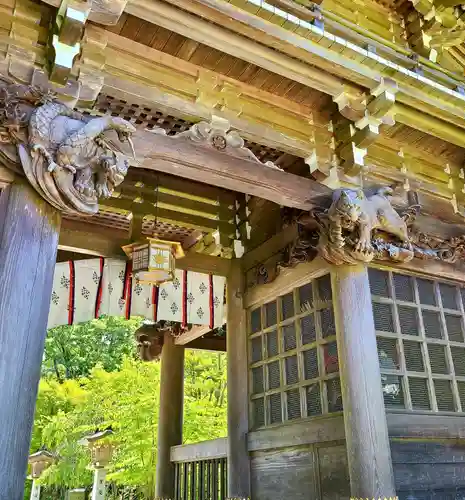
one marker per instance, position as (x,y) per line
(64,154)
(359,227)
(217,135)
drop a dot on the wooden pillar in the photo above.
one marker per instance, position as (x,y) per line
(29,230)
(367,440)
(238,422)
(170,416)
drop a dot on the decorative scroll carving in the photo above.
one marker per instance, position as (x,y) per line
(64,154)
(427,247)
(216,134)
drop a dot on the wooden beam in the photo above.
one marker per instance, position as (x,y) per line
(92,239)
(193,334)
(205,450)
(270,247)
(208,344)
(214,35)
(79,237)
(171,216)
(185,188)
(196,162)
(262,132)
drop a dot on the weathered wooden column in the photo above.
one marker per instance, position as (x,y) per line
(367,440)
(238,422)
(29,230)
(170,417)
(64,173)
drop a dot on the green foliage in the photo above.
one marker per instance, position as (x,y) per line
(72,351)
(96,389)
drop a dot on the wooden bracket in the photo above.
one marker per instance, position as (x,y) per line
(359,127)
(323,161)
(435,25)
(66,37)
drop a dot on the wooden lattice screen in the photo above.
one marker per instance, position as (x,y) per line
(421,342)
(293,356)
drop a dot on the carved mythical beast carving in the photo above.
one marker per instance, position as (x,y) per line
(359,228)
(64,153)
(150,338)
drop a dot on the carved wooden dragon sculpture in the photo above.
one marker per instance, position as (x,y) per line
(74,146)
(64,154)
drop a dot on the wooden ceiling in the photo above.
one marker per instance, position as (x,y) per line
(319,104)
(186,49)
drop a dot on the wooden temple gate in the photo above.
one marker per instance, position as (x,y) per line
(310,153)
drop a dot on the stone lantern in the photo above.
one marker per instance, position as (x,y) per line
(76,494)
(101,451)
(39,461)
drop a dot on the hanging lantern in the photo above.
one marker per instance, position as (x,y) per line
(154,261)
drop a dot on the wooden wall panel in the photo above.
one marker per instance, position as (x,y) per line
(429,469)
(285,473)
(311,472)
(334,474)
(304,460)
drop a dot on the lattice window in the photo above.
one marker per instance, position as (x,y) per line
(421,345)
(293,359)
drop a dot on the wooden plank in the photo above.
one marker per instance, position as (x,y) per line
(183,187)
(77,236)
(287,280)
(174,202)
(171,216)
(204,450)
(289,473)
(427,451)
(411,426)
(317,430)
(28,244)
(191,161)
(194,333)
(333,472)
(217,344)
(430,477)
(238,398)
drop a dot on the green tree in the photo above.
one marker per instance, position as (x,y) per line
(127,400)
(72,351)
(93,379)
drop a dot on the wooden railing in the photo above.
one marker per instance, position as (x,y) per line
(201,470)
